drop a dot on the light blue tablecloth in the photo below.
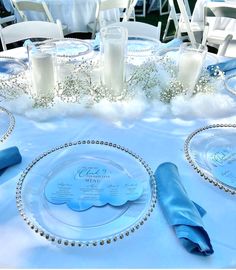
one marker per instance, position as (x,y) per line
(154,245)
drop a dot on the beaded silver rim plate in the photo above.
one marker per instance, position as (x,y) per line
(210,151)
(97,225)
(69,47)
(10,67)
(139,46)
(7,124)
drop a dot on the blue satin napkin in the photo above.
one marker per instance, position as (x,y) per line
(223,66)
(9,157)
(181,212)
(176,42)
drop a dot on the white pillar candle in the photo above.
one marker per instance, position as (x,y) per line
(114,65)
(43,73)
(190,66)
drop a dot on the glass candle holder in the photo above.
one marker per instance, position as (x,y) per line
(113,54)
(190,65)
(43,69)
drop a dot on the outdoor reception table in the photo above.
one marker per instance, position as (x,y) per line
(76,14)
(156,139)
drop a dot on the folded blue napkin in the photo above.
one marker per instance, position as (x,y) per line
(176,42)
(9,157)
(181,212)
(223,66)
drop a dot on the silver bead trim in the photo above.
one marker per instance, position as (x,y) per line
(79,41)
(12,123)
(194,164)
(92,243)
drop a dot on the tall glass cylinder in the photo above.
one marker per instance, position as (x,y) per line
(190,65)
(113,54)
(43,66)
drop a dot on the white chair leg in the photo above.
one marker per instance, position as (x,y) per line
(166,29)
(223,47)
(161,5)
(151,6)
(159,30)
(143,14)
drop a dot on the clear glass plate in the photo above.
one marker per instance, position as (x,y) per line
(69,47)
(138,46)
(230,83)
(96,225)
(7,124)
(10,67)
(212,153)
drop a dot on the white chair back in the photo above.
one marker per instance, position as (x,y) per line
(184,20)
(30,29)
(162,4)
(175,16)
(104,5)
(139,29)
(7,19)
(130,13)
(220,9)
(225,39)
(23,6)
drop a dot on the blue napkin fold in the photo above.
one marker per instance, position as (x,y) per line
(176,42)
(9,157)
(181,212)
(223,66)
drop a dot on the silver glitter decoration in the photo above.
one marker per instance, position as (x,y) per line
(83,84)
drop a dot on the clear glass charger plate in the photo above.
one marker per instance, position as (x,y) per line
(7,123)
(69,47)
(140,46)
(93,225)
(10,67)
(211,151)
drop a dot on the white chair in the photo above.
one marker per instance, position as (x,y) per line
(143,14)
(7,19)
(162,4)
(224,40)
(174,16)
(186,26)
(139,29)
(104,5)
(30,29)
(25,6)
(130,13)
